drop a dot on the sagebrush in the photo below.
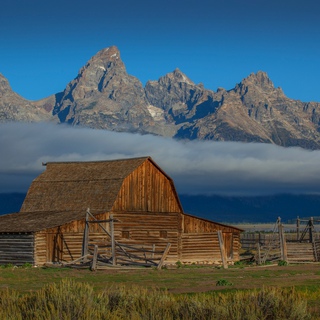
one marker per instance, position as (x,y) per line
(73,300)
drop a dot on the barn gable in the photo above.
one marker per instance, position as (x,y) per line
(147,189)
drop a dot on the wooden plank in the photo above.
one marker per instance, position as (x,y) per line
(94,259)
(222,250)
(113,244)
(85,236)
(165,253)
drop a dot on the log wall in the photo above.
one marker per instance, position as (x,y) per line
(203,248)
(200,248)
(140,229)
(145,229)
(64,244)
(16,248)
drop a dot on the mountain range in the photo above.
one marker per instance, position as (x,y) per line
(104,96)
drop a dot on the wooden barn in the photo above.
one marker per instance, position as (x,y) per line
(135,194)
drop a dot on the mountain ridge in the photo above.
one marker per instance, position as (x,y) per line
(104,96)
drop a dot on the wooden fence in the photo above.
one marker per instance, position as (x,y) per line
(111,253)
(300,246)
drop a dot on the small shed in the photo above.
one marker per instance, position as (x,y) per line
(136,192)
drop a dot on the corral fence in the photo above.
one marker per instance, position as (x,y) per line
(111,253)
(283,242)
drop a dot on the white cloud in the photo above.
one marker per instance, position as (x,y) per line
(197,167)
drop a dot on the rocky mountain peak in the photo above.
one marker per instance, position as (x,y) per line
(174,77)
(97,72)
(4,85)
(256,84)
(257,80)
(15,108)
(103,95)
(180,76)
(260,79)
(105,59)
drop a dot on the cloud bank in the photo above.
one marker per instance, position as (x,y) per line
(197,167)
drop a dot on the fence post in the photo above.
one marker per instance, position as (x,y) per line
(259,253)
(310,230)
(113,245)
(222,250)
(298,228)
(85,237)
(164,255)
(283,244)
(95,258)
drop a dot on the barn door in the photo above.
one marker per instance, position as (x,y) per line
(228,244)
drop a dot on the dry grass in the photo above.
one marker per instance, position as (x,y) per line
(71,300)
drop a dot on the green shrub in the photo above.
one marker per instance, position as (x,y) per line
(282,263)
(224,282)
(27,265)
(7,266)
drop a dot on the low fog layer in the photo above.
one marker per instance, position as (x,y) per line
(197,167)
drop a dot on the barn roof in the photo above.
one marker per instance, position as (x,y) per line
(36,221)
(72,186)
(216,223)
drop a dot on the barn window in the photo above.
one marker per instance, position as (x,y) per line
(163,234)
(126,234)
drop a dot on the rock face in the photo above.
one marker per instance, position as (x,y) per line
(104,96)
(257,111)
(182,101)
(15,108)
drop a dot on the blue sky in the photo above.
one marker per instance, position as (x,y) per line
(43,44)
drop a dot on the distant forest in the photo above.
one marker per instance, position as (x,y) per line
(222,208)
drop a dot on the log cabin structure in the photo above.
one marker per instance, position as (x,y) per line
(139,195)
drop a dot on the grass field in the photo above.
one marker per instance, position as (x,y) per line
(178,280)
(304,278)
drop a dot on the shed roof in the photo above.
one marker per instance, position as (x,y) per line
(72,186)
(37,221)
(216,223)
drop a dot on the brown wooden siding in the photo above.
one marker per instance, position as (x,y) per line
(194,225)
(65,243)
(146,229)
(204,247)
(40,254)
(236,247)
(200,248)
(139,229)
(147,189)
(16,248)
